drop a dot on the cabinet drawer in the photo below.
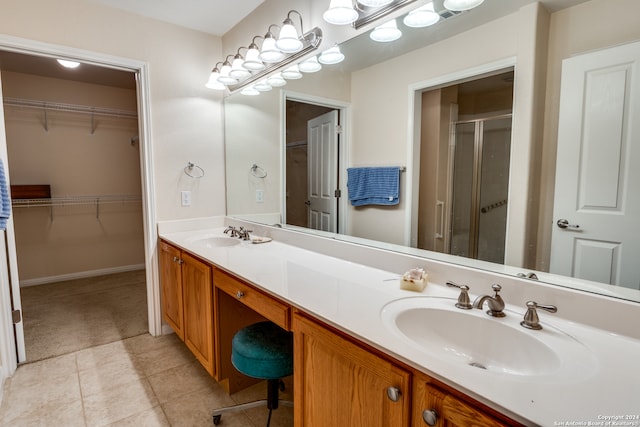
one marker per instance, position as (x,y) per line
(269,307)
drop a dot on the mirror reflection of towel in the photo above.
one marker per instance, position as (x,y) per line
(5,199)
(374,185)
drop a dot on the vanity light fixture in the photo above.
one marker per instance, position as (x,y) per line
(250,91)
(252,61)
(262,86)
(460,5)
(270,52)
(310,65)
(225,78)
(292,73)
(375,3)
(331,56)
(237,67)
(340,12)
(68,64)
(288,41)
(213,82)
(386,32)
(422,17)
(276,80)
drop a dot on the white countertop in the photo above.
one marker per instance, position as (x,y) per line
(351,296)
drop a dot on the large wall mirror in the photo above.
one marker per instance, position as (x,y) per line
(467,110)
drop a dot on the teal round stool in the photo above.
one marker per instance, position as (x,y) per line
(263,350)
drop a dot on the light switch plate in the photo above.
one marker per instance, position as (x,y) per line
(260,196)
(185,196)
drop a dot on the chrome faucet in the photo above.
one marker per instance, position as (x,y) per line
(232,231)
(244,234)
(531,319)
(495,302)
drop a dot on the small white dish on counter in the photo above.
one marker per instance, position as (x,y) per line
(259,239)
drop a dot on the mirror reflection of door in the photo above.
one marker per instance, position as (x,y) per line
(596,220)
(464,167)
(311,162)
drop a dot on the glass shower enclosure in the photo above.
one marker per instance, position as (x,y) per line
(480,187)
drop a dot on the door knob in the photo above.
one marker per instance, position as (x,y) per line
(563,223)
(308,203)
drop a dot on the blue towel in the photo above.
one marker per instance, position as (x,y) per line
(374,185)
(5,199)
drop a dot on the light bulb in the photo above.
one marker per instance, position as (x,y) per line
(237,69)
(262,86)
(288,41)
(292,73)
(251,61)
(249,91)
(225,78)
(276,80)
(68,64)
(213,82)
(310,65)
(270,53)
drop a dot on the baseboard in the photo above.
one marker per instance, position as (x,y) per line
(80,275)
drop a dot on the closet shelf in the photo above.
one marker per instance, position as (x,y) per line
(70,108)
(96,200)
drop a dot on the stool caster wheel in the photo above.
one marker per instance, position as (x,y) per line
(216,419)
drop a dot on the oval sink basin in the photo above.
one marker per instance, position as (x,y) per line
(473,338)
(215,241)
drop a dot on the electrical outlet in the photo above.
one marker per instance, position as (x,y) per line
(260,196)
(185,195)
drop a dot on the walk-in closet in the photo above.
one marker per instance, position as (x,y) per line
(73,164)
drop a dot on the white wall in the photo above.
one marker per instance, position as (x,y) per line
(186,118)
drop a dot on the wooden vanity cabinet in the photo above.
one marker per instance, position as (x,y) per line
(436,405)
(338,383)
(187,302)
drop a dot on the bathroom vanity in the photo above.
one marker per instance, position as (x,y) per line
(369,353)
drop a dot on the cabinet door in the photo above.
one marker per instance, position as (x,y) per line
(448,410)
(338,383)
(198,310)
(171,284)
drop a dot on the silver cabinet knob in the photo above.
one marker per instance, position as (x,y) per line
(393,393)
(239,294)
(430,417)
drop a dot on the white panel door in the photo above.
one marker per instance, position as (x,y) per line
(596,222)
(322,140)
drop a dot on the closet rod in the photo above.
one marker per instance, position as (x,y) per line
(72,108)
(75,200)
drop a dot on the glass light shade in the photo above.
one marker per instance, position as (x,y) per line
(421,17)
(276,80)
(460,5)
(292,73)
(331,56)
(251,61)
(249,91)
(237,69)
(386,32)
(340,12)
(270,53)
(310,65)
(225,78)
(68,64)
(262,86)
(375,3)
(288,41)
(213,82)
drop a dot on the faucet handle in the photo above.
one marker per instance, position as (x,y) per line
(463,299)
(497,288)
(531,319)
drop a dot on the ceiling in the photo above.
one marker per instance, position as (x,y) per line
(210,16)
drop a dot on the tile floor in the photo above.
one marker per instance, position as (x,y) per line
(140,381)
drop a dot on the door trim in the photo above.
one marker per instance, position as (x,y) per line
(343,152)
(141,69)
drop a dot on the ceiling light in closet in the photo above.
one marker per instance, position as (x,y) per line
(68,64)
(422,17)
(460,5)
(386,32)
